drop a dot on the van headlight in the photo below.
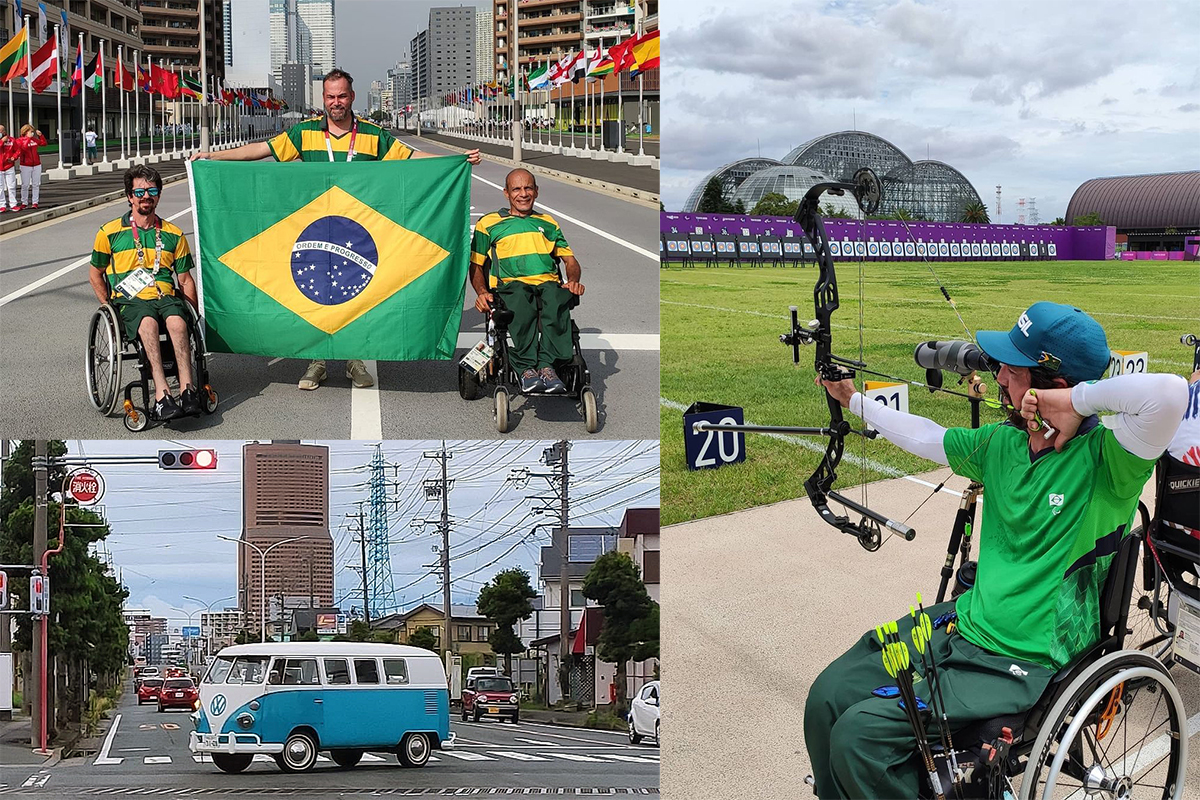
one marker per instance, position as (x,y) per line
(245,721)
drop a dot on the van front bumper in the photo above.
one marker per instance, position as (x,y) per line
(448,743)
(230,743)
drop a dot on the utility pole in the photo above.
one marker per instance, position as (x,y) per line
(362,540)
(432,489)
(564,579)
(41,477)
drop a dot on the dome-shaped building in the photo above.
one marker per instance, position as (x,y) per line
(929,190)
(791,182)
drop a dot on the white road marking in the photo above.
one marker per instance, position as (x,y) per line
(516,755)
(588,341)
(133,749)
(632,759)
(603,234)
(38,779)
(574,757)
(371,757)
(156,760)
(467,756)
(102,759)
(535,741)
(366,420)
(40,282)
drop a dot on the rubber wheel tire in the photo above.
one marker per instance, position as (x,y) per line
(105,317)
(634,736)
(591,418)
(136,420)
(657,741)
(516,718)
(232,763)
(160,708)
(346,758)
(501,410)
(306,752)
(210,401)
(464,714)
(469,387)
(414,750)
(476,715)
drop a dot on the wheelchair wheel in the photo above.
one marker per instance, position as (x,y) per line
(1118,731)
(501,410)
(469,387)
(210,400)
(587,402)
(103,365)
(135,420)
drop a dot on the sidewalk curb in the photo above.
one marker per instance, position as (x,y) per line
(639,196)
(8,226)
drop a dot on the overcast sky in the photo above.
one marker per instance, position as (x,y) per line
(165,524)
(372,35)
(1037,97)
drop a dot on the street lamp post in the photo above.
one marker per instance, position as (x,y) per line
(189,646)
(207,608)
(262,558)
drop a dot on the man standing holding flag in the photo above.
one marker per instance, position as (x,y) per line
(345,138)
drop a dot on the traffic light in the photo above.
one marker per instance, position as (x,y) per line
(3,590)
(39,594)
(187,459)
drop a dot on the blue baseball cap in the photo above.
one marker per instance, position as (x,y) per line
(1061,338)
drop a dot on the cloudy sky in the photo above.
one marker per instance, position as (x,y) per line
(165,524)
(1037,97)
(372,35)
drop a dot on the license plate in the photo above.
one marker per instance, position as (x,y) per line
(179,694)
(493,711)
(209,740)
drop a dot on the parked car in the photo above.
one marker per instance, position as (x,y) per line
(643,714)
(178,693)
(148,691)
(490,696)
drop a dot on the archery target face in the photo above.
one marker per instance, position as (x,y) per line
(860,249)
(1033,250)
(910,249)
(976,250)
(943,249)
(886,249)
(873,249)
(835,249)
(955,250)
(808,248)
(921,249)
(1052,249)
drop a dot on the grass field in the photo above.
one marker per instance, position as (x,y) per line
(720,343)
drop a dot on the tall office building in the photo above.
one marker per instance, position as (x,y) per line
(451,49)
(485,46)
(421,67)
(283,36)
(400,82)
(227,13)
(546,31)
(315,40)
(171,31)
(285,494)
(297,86)
(250,43)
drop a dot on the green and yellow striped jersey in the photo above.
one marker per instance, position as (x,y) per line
(115,253)
(520,248)
(305,141)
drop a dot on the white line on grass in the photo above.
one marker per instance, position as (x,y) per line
(809,444)
(785,318)
(40,282)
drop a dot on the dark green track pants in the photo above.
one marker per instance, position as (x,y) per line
(862,746)
(529,350)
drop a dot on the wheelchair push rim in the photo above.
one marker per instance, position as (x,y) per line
(1093,755)
(103,361)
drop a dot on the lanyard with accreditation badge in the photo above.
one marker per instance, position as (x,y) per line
(141,278)
(350,152)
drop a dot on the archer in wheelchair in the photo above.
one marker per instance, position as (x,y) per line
(140,268)
(1024,674)
(515,257)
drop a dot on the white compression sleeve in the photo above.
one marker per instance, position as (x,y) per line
(918,435)
(1149,408)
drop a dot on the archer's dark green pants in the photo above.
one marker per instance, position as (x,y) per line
(862,746)
(529,350)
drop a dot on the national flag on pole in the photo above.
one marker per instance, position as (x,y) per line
(164,82)
(123,78)
(600,65)
(43,31)
(18,20)
(333,260)
(43,66)
(579,66)
(645,51)
(13,57)
(144,82)
(622,55)
(539,78)
(77,74)
(94,74)
(190,86)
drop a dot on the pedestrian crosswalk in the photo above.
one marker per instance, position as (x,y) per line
(595,757)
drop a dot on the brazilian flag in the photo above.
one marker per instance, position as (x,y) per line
(333,260)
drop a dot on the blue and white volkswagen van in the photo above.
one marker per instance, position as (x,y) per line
(294,699)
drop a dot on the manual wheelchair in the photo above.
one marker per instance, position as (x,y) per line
(1111,725)
(108,349)
(499,372)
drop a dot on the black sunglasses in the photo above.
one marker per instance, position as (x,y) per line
(144,192)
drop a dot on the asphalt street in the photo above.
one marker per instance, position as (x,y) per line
(46,305)
(146,753)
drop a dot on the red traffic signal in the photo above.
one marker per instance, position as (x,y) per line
(3,590)
(187,459)
(39,594)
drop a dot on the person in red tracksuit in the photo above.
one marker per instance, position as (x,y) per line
(9,155)
(31,164)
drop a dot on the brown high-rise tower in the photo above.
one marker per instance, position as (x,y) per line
(285,493)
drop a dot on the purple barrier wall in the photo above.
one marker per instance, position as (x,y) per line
(1070,244)
(1152,255)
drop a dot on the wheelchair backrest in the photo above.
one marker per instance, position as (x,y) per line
(1118,588)
(1178,493)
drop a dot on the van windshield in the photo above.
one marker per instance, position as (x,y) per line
(248,669)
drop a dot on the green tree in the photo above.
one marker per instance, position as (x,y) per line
(309,635)
(903,214)
(975,212)
(359,630)
(246,636)
(738,207)
(630,630)
(774,204)
(1059,221)
(85,601)
(505,600)
(423,637)
(712,201)
(1091,218)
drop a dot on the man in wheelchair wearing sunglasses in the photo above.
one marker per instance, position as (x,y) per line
(136,261)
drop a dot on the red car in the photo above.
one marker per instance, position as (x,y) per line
(491,696)
(178,693)
(148,690)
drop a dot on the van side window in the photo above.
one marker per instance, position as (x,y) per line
(396,671)
(366,670)
(336,672)
(300,672)
(247,669)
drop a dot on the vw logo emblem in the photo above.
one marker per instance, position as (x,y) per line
(217,706)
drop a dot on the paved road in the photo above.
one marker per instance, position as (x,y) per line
(148,753)
(46,303)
